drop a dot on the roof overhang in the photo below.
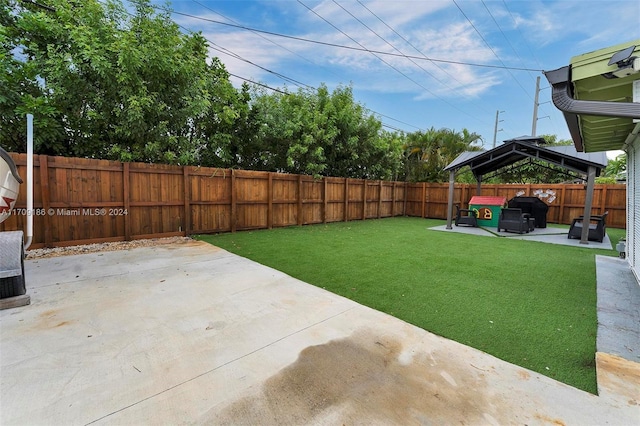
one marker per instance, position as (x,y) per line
(514,150)
(595,94)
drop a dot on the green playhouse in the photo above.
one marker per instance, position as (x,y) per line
(487,209)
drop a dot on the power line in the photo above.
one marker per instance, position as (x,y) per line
(453,77)
(410,44)
(361,45)
(232,54)
(490,48)
(258,34)
(360,49)
(382,60)
(300,56)
(516,26)
(258,84)
(385,40)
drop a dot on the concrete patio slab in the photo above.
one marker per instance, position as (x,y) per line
(189,333)
(618,338)
(549,235)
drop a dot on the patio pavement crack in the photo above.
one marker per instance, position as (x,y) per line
(220,366)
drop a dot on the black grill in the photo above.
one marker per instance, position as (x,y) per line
(534,206)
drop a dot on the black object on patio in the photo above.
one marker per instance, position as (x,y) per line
(466,217)
(597,227)
(514,220)
(534,206)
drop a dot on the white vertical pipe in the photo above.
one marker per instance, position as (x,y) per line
(29,181)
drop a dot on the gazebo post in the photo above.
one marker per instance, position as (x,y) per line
(479,185)
(586,217)
(452,179)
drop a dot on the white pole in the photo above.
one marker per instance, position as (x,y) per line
(495,129)
(535,108)
(29,181)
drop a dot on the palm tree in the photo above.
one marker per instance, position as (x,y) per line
(428,153)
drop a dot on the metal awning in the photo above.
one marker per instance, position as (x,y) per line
(514,150)
(595,93)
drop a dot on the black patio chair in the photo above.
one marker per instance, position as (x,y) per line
(597,227)
(513,220)
(466,217)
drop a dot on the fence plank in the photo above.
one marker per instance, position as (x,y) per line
(126,193)
(346,199)
(270,202)
(234,207)
(46,202)
(187,200)
(299,200)
(364,200)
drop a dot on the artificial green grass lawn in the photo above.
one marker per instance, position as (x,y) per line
(529,303)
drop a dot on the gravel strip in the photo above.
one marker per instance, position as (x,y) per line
(98,247)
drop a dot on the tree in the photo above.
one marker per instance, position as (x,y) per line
(615,170)
(427,153)
(318,132)
(110,84)
(530,170)
(20,88)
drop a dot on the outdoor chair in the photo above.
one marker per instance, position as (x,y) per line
(597,227)
(513,220)
(466,217)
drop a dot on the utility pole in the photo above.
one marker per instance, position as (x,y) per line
(535,108)
(495,129)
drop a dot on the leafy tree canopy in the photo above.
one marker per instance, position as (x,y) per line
(102,82)
(428,153)
(105,82)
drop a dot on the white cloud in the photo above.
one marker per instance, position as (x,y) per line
(447,37)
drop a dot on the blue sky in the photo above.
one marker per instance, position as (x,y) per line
(416,93)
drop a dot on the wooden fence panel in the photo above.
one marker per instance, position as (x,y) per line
(79,201)
(387,199)
(312,200)
(437,199)
(285,199)
(356,194)
(372,197)
(399,204)
(335,196)
(251,192)
(82,197)
(413,200)
(614,200)
(156,200)
(210,200)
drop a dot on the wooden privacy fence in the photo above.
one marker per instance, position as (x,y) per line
(81,201)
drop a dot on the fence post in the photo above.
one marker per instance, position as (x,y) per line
(299,200)
(379,199)
(43,160)
(561,210)
(346,199)
(270,201)
(324,200)
(393,199)
(424,198)
(126,200)
(187,201)
(463,196)
(234,219)
(603,199)
(404,201)
(364,198)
